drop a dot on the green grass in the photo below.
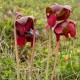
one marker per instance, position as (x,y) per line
(70,48)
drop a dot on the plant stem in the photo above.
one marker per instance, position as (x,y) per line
(32,56)
(16,52)
(56,58)
(49,52)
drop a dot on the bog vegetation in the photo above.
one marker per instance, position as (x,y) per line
(68,65)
